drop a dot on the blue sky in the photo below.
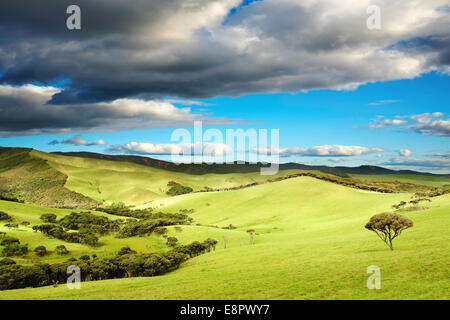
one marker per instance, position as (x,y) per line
(339,90)
(307,119)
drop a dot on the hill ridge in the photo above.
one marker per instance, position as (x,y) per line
(234,167)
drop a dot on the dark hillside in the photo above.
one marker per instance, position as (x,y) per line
(24,178)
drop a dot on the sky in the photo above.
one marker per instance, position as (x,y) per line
(338,92)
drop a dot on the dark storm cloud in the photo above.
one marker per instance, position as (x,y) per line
(195,49)
(24,111)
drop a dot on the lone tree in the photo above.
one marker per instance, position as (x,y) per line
(251,232)
(388,226)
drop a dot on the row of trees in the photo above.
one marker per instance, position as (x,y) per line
(126,263)
(414,203)
(84,236)
(348,182)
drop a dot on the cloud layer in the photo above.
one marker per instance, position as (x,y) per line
(330,151)
(24,110)
(425,123)
(145,148)
(440,164)
(195,49)
(79,141)
(404,152)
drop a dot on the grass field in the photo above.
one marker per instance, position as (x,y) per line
(113,181)
(108,244)
(426,180)
(310,244)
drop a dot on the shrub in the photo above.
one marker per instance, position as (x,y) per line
(171,241)
(125,250)
(89,221)
(15,249)
(9,240)
(61,250)
(7,261)
(40,251)
(146,227)
(4,216)
(211,243)
(177,189)
(160,231)
(48,218)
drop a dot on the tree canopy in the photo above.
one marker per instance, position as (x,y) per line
(388,226)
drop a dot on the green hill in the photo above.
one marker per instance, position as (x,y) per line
(24,177)
(90,180)
(310,244)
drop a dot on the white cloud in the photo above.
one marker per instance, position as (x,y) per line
(76,140)
(324,151)
(206,148)
(424,123)
(387,122)
(188,102)
(381,102)
(423,115)
(441,155)
(436,127)
(340,160)
(404,152)
(100,142)
(79,141)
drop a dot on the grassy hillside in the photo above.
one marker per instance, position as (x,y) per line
(107,244)
(311,243)
(27,178)
(31,213)
(418,179)
(134,184)
(68,181)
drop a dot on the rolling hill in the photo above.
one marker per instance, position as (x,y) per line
(307,247)
(309,242)
(89,180)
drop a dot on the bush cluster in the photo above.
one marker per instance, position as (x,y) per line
(83,236)
(88,221)
(126,263)
(177,189)
(4,216)
(146,227)
(120,209)
(12,247)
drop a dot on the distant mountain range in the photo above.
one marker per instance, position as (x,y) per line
(239,168)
